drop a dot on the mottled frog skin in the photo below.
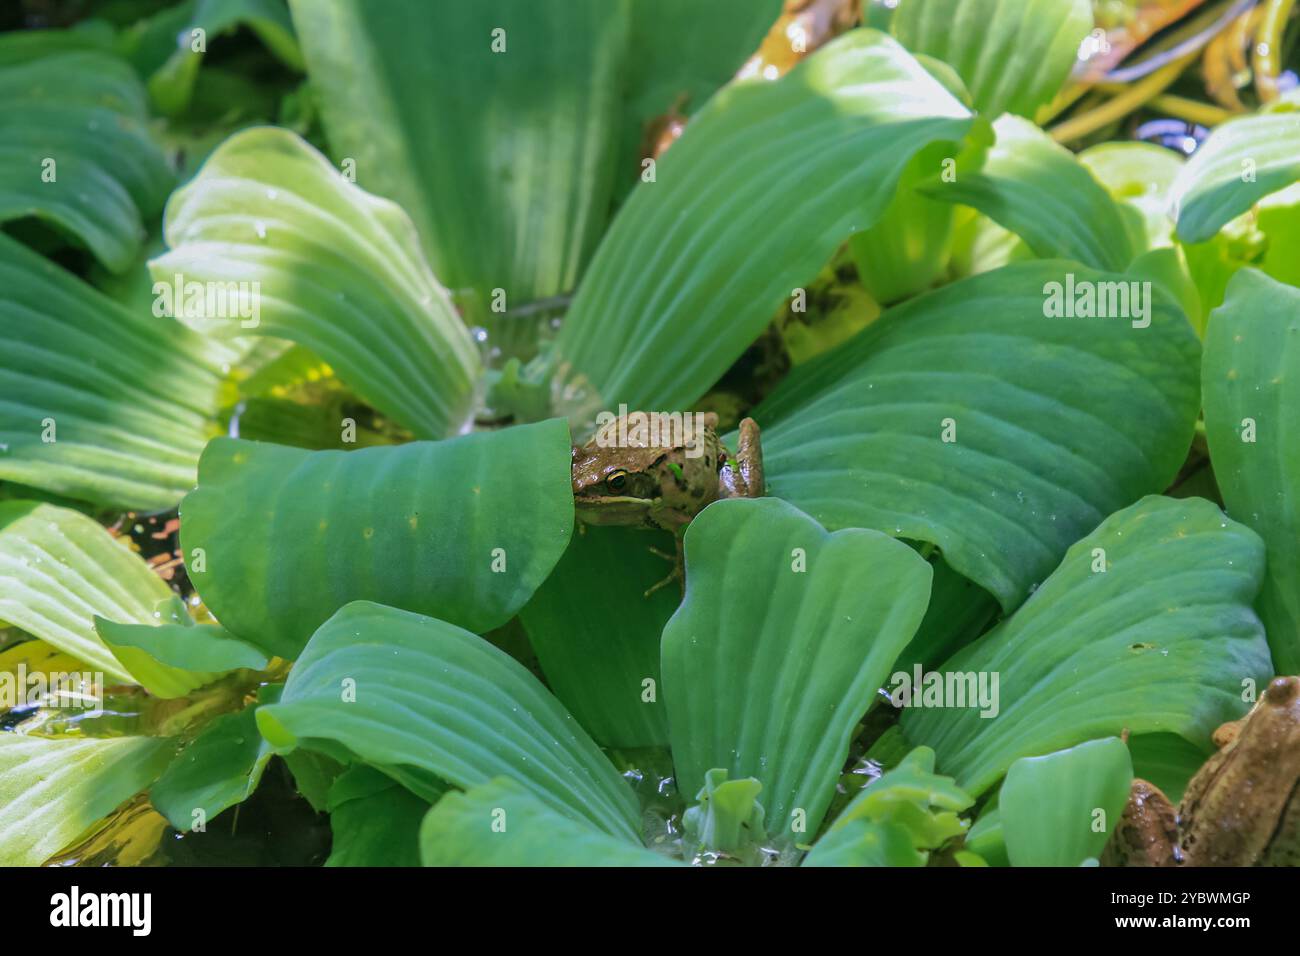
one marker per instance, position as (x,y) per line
(1241,808)
(662,486)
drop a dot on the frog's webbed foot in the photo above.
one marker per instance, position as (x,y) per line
(742,475)
(676,574)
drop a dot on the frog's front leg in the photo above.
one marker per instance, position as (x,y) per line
(742,476)
(678,573)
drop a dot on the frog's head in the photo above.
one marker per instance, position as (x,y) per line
(615,485)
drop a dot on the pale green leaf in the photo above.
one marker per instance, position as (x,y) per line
(53,791)
(1013,55)
(864,842)
(439,700)
(1243,161)
(336,269)
(1141,175)
(896,819)
(1061,808)
(1038,189)
(60,569)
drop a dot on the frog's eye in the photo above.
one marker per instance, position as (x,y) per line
(617,481)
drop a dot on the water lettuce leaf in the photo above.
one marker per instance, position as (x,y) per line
(59,570)
(97,402)
(501,823)
(53,791)
(76,150)
(596,634)
(172,658)
(897,819)
(277,539)
(1252,402)
(374,821)
(1061,808)
(1047,441)
(1243,160)
(689,274)
(336,269)
(1038,189)
(399,690)
(1163,640)
(506,158)
(770,661)
(221,767)
(1013,55)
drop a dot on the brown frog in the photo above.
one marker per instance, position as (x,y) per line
(1241,807)
(662,478)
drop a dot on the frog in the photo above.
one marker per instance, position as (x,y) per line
(663,486)
(1240,809)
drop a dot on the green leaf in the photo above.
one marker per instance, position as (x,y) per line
(220,768)
(314,775)
(466,529)
(1049,805)
(1140,175)
(1244,160)
(466,829)
(60,569)
(435,698)
(337,270)
(985,837)
(23,46)
(914,797)
(1252,413)
(863,842)
(959,611)
(1212,264)
(906,250)
(375,821)
(1278,218)
(1158,642)
(175,657)
(726,817)
(896,819)
(680,52)
(172,85)
(1047,443)
(505,158)
(53,791)
(75,151)
(96,402)
(689,274)
(1040,191)
(1013,55)
(1168,761)
(768,668)
(596,634)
